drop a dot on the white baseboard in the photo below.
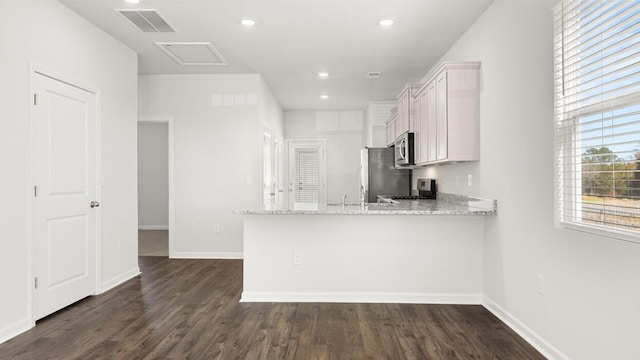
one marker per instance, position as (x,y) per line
(545,348)
(355,297)
(110,284)
(15,329)
(153,227)
(206,255)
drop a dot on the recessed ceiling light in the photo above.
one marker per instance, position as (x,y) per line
(133,1)
(386,22)
(324,97)
(323,74)
(248,22)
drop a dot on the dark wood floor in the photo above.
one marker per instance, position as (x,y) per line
(189,309)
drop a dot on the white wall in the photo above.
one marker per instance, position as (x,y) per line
(270,110)
(271,113)
(153,175)
(52,36)
(217,157)
(363,258)
(591,309)
(378,113)
(343,153)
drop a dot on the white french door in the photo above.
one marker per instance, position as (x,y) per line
(278,173)
(64,211)
(307,169)
(269,176)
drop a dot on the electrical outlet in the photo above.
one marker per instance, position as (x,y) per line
(216,228)
(470,180)
(297,258)
(541,285)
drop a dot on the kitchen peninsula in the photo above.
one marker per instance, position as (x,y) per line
(410,251)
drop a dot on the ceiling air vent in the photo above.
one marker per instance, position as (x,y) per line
(373,75)
(146,20)
(192,53)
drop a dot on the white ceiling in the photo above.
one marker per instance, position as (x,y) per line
(294,39)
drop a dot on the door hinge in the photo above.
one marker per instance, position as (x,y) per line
(35,191)
(35,99)
(36,282)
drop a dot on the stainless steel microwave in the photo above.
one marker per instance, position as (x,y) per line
(404,153)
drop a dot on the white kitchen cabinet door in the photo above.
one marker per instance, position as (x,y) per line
(423,139)
(401,116)
(395,128)
(431,122)
(463,112)
(405,121)
(441,116)
(404,112)
(417,131)
(398,125)
(391,130)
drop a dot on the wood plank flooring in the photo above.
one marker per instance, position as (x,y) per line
(189,309)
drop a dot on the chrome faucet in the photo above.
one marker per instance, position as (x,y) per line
(344,200)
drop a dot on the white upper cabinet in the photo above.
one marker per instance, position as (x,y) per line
(391,129)
(398,124)
(449,115)
(405,109)
(441,117)
(432,140)
(416,128)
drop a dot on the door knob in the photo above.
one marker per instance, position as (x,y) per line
(94,204)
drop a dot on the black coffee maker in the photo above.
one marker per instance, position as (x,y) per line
(427,188)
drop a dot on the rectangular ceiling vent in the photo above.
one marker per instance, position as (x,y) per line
(192,53)
(146,20)
(373,75)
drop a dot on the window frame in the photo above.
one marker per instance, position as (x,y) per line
(568,206)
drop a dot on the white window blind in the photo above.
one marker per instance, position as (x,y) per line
(597,115)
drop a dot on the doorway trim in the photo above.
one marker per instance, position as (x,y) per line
(35,70)
(321,144)
(169,121)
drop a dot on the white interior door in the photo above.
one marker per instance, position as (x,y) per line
(307,179)
(277,173)
(65,208)
(269,176)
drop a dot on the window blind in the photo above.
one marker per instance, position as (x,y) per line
(597,114)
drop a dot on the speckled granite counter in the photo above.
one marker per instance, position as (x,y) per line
(446,204)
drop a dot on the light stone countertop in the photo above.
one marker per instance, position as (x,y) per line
(446,204)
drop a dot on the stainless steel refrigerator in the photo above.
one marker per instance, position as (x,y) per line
(378,175)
